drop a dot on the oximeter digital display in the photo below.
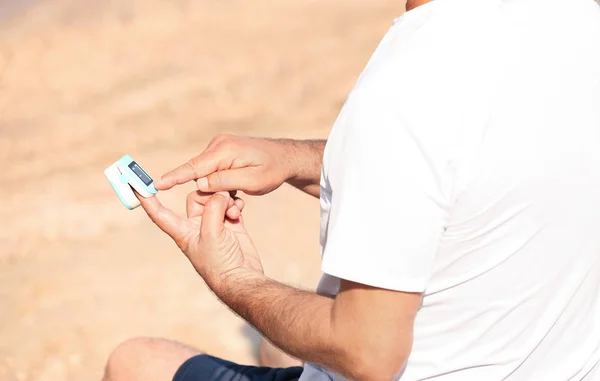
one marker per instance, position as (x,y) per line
(125,176)
(140,173)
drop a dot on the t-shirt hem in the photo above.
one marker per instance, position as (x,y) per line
(413,285)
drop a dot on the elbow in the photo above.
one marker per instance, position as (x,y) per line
(377,372)
(376,366)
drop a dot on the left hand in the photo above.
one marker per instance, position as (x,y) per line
(218,247)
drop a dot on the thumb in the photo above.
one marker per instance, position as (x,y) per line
(213,218)
(243,179)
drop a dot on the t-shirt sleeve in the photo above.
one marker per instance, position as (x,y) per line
(388,174)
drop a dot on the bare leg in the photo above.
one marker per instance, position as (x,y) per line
(145,359)
(274,357)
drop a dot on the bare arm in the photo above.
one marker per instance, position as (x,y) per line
(307,164)
(255,166)
(365,333)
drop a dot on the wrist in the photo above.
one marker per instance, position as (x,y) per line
(233,283)
(304,158)
(289,152)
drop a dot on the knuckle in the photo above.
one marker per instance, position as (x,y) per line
(183,244)
(215,140)
(211,204)
(193,162)
(191,196)
(218,199)
(190,199)
(228,141)
(229,146)
(215,203)
(220,139)
(214,181)
(153,215)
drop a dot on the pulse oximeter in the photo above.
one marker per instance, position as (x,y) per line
(126,174)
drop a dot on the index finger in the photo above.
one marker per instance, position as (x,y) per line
(200,166)
(164,218)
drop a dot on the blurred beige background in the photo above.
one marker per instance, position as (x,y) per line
(83,82)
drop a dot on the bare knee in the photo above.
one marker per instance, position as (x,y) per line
(146,359)
(124,358)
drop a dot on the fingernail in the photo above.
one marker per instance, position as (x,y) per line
(202,183)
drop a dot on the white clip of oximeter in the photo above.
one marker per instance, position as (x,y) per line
(126,174)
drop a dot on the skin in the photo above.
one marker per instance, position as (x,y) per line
(145,359)
(255,166)
(271,356)
(412,4)
(341,333)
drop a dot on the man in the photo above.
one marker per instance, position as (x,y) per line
(460,211)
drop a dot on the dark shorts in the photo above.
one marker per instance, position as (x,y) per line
(209,368)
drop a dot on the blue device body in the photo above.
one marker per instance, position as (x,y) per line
(125,176)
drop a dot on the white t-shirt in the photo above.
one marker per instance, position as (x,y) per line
(465,164)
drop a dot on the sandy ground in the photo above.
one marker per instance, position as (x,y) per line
(83,82)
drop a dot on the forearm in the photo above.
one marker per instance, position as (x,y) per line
(306,159)
(299,322)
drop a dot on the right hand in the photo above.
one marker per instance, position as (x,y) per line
(255,166)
